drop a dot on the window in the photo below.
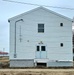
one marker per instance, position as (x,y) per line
(61,44)
(73,50)
(42,48)
(61,24)
(41,28)
(37,48)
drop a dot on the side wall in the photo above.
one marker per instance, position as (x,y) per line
(53,35)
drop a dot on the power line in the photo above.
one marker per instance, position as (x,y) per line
(39,5)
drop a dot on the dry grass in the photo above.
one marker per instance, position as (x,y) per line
(4,59)
(4,62)
(37,72)
(32,71)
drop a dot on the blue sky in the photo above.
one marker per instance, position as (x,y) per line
(8,10)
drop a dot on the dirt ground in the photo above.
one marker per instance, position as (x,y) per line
(36,71)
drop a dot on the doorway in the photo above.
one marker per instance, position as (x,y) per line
(41,64)
(41,52)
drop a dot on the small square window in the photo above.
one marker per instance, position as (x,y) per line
(61,44)
(42,48)
(61,24)
(37,48)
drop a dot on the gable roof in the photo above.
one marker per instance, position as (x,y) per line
(50,11)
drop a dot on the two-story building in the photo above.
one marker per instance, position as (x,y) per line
(40,37)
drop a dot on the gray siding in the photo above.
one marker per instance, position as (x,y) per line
(22,63)
(60,64)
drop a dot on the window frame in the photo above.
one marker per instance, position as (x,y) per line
(41,29)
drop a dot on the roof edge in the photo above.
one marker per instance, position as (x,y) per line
(41,8)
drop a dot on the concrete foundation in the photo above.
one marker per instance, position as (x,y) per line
(22,63)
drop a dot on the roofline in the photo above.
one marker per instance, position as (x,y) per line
(27,12)
(53,12)
(41,8)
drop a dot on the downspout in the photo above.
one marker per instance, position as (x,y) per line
(15,55)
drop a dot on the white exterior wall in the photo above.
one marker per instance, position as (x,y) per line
(53,35)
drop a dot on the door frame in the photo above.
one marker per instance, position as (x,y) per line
(40,50)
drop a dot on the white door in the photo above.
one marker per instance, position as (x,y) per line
(41,52)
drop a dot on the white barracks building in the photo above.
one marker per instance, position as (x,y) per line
(40,37)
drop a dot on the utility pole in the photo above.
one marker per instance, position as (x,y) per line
(3,51)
